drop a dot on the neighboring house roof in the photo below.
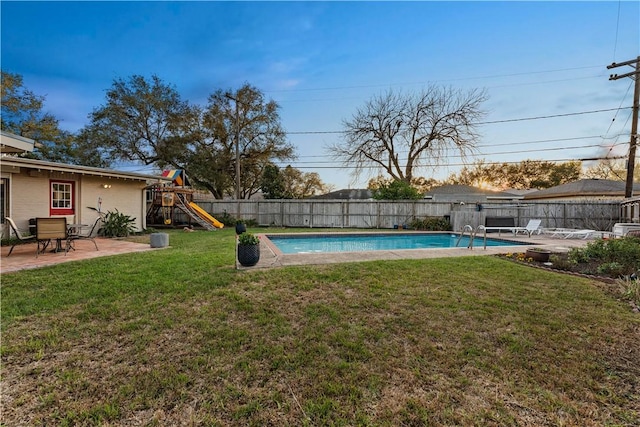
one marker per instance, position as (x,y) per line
(347,194)
(518,192)
(8,162)
(14,144)
(451,190)
(584,188)
(444,191)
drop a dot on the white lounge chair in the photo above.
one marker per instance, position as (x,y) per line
(621,229)
(568,233)
(533,226)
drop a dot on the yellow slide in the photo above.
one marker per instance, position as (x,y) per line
(204,215)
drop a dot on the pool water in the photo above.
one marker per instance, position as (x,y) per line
(300,244)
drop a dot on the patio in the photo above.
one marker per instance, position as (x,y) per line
(24,256)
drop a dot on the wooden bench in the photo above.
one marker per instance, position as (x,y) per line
(499,222)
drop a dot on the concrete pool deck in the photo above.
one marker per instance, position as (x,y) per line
(23,256)
(271,256)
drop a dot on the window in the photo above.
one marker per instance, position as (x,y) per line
(61,198)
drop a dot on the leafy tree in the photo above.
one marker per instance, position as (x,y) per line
(400,134)
(244,118)
(272,183)
(524,175)
(139,117)
(421,184)
(290,183)
(300,185)
(396,190)
(147,121)
(22,113)
(611,169)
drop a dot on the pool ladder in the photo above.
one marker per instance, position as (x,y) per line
(472,235)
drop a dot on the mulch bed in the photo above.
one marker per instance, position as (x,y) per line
(561,266)
(581,270)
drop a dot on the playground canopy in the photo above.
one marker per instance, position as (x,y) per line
(178,176)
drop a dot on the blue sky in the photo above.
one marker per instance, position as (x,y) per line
(321,61)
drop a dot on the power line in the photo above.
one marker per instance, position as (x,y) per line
(551,116)
(343,98)
(494,76)
(537,150)
(615,43)
(585,159)
(539,141)
(635,75)
(140,167)
(544,141)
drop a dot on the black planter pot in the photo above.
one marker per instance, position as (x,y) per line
(248,255)
(240,228)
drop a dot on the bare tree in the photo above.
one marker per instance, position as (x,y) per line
(399,133)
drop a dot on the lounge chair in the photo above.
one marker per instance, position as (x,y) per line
(21,238)
(90,235)
(533,226)
(622,229)
(568,233)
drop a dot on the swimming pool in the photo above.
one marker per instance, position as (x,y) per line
(323,243)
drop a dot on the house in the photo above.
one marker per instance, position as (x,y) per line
(347,194)
(584,189)
(34,188)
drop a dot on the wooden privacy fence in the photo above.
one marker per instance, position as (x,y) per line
(597,215)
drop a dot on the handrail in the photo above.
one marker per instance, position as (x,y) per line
(468,228)
(485,235)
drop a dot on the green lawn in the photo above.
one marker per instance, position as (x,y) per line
(179,337)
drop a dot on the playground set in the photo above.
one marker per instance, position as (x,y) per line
(166,199)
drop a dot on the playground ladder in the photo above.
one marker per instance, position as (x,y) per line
(184,207)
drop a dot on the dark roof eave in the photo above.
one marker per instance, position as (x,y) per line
(82,170)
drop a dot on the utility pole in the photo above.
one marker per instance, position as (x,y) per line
(237,141)
(635,75)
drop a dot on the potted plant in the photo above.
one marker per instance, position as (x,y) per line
(538,254)
(240,227)
(248,249)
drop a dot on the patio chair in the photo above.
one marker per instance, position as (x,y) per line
(90,235)
(533,226)
(21,238)
(48,229)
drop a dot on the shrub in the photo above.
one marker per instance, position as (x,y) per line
(246,239)
(432,223)
(611,269)
(631,290)
(615,257)
(231,221)
(396,190)
(562,262)
(226,219)
(116,224)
